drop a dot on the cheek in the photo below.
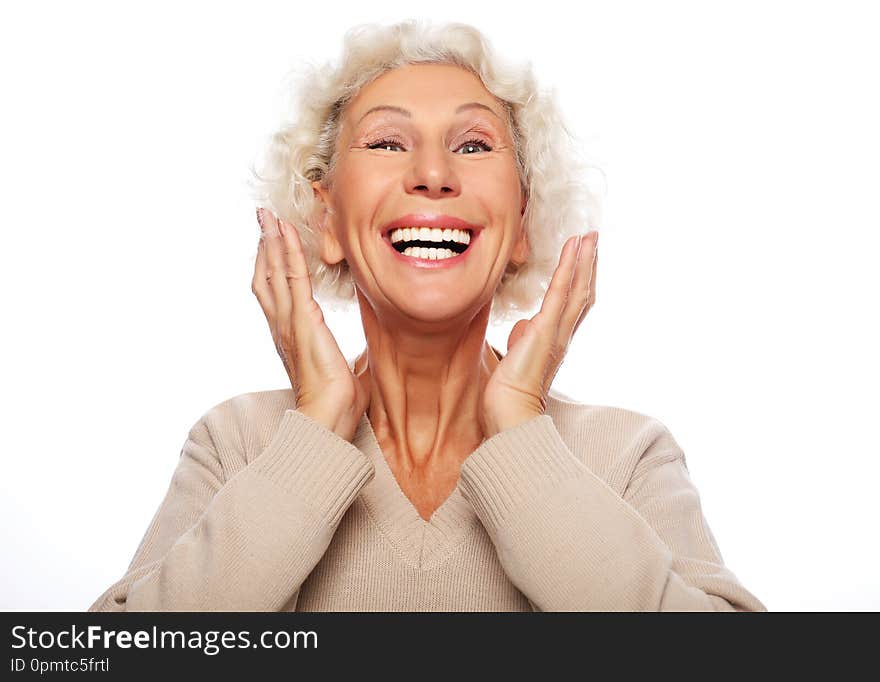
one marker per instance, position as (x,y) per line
(499,172)
(363,184)
(361,189)
(497,188)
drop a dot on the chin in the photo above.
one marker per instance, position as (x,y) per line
(434,309)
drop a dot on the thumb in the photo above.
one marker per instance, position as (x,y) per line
(518,330)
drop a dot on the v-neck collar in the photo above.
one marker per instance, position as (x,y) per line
(422,544)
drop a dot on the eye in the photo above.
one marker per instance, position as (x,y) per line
(388,142)
(393,142)
(476,142)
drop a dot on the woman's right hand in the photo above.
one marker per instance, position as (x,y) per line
(325,387)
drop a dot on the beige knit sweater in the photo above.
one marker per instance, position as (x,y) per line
(582,508)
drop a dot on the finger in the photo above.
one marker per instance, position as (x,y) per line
(592,296)
(539,361)
(518,330)
(580,285)
(297,274)
(557,292)
(276,276)
(259,285)
(313,338)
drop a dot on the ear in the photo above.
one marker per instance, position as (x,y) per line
(331,249)
(521,249)
(520,252)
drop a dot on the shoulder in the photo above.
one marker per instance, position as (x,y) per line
(241,426)
(614,442)
(251,405)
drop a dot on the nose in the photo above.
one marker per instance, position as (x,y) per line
(432,173)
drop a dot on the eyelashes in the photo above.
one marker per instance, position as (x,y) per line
(395,142)
(384,142)
(476,142)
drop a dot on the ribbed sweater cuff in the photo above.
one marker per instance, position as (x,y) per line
(515,467)
(318,466)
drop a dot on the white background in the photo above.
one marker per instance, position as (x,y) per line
(736,287)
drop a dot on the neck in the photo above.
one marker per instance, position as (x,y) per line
(425,383)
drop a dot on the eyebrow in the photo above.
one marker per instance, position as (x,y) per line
(408,114)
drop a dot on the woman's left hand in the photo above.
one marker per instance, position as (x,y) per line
(519,386)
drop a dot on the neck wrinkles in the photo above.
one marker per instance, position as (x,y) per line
(425,391)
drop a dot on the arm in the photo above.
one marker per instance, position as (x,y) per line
(246,544)
(569,542)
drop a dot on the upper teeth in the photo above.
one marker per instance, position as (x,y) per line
(429,234)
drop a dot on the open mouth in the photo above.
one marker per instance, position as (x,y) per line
(429,243)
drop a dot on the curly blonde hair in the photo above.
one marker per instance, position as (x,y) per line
(549,162)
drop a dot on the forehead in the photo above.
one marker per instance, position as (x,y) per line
(422,88)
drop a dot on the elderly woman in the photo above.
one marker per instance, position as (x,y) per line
(434,185)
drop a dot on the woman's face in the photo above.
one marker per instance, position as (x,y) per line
(424,140)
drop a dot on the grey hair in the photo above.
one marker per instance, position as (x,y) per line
(549,161)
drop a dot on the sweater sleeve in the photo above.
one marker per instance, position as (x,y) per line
(569,542)
(248,543)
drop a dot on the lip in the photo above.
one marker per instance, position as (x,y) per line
(427,263)
(431,220)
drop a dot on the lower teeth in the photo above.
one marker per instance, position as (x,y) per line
(429,254)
